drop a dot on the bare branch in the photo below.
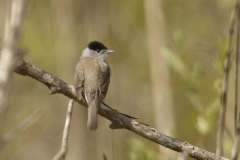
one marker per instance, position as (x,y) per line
(236,74)
(118,119)
(27,122)
(235,149)
(63,151)
(223,100)
(9,55)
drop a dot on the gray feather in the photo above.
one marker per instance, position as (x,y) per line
(92,77)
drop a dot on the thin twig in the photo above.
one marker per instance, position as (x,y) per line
(118,119)
(223,100)
(64,148)
(104,157)
(27,122)
(228,133)
(235,149)
(9,56)
(236,76)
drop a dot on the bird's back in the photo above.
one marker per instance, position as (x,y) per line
(96,75)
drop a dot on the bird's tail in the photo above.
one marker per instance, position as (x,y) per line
(92,122)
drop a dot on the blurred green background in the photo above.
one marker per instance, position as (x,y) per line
(166,71)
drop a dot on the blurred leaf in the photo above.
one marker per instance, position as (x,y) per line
(217,85)
(213,108)
(139,151)
(206,120)
(191,77)
(202,124)
(176,63)
(178,39)
(195,100)
(228,144)
(196,72)
(218,61)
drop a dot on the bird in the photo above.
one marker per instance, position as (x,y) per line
(92,78)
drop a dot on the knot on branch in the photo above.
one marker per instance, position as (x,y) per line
(186,146)
(47,78)
(54,90)
(115,126)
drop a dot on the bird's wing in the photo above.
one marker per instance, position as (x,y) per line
(104,82)
(79,79)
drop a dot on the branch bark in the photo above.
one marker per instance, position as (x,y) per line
(118,119)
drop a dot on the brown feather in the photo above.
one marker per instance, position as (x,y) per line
(92,78)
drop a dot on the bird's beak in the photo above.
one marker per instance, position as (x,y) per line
(110,51)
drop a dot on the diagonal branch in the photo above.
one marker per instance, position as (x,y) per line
(27,122)
(118,119)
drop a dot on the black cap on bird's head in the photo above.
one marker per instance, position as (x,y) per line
(96,46)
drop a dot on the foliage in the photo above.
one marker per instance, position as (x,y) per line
(139,150)
(191,77)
